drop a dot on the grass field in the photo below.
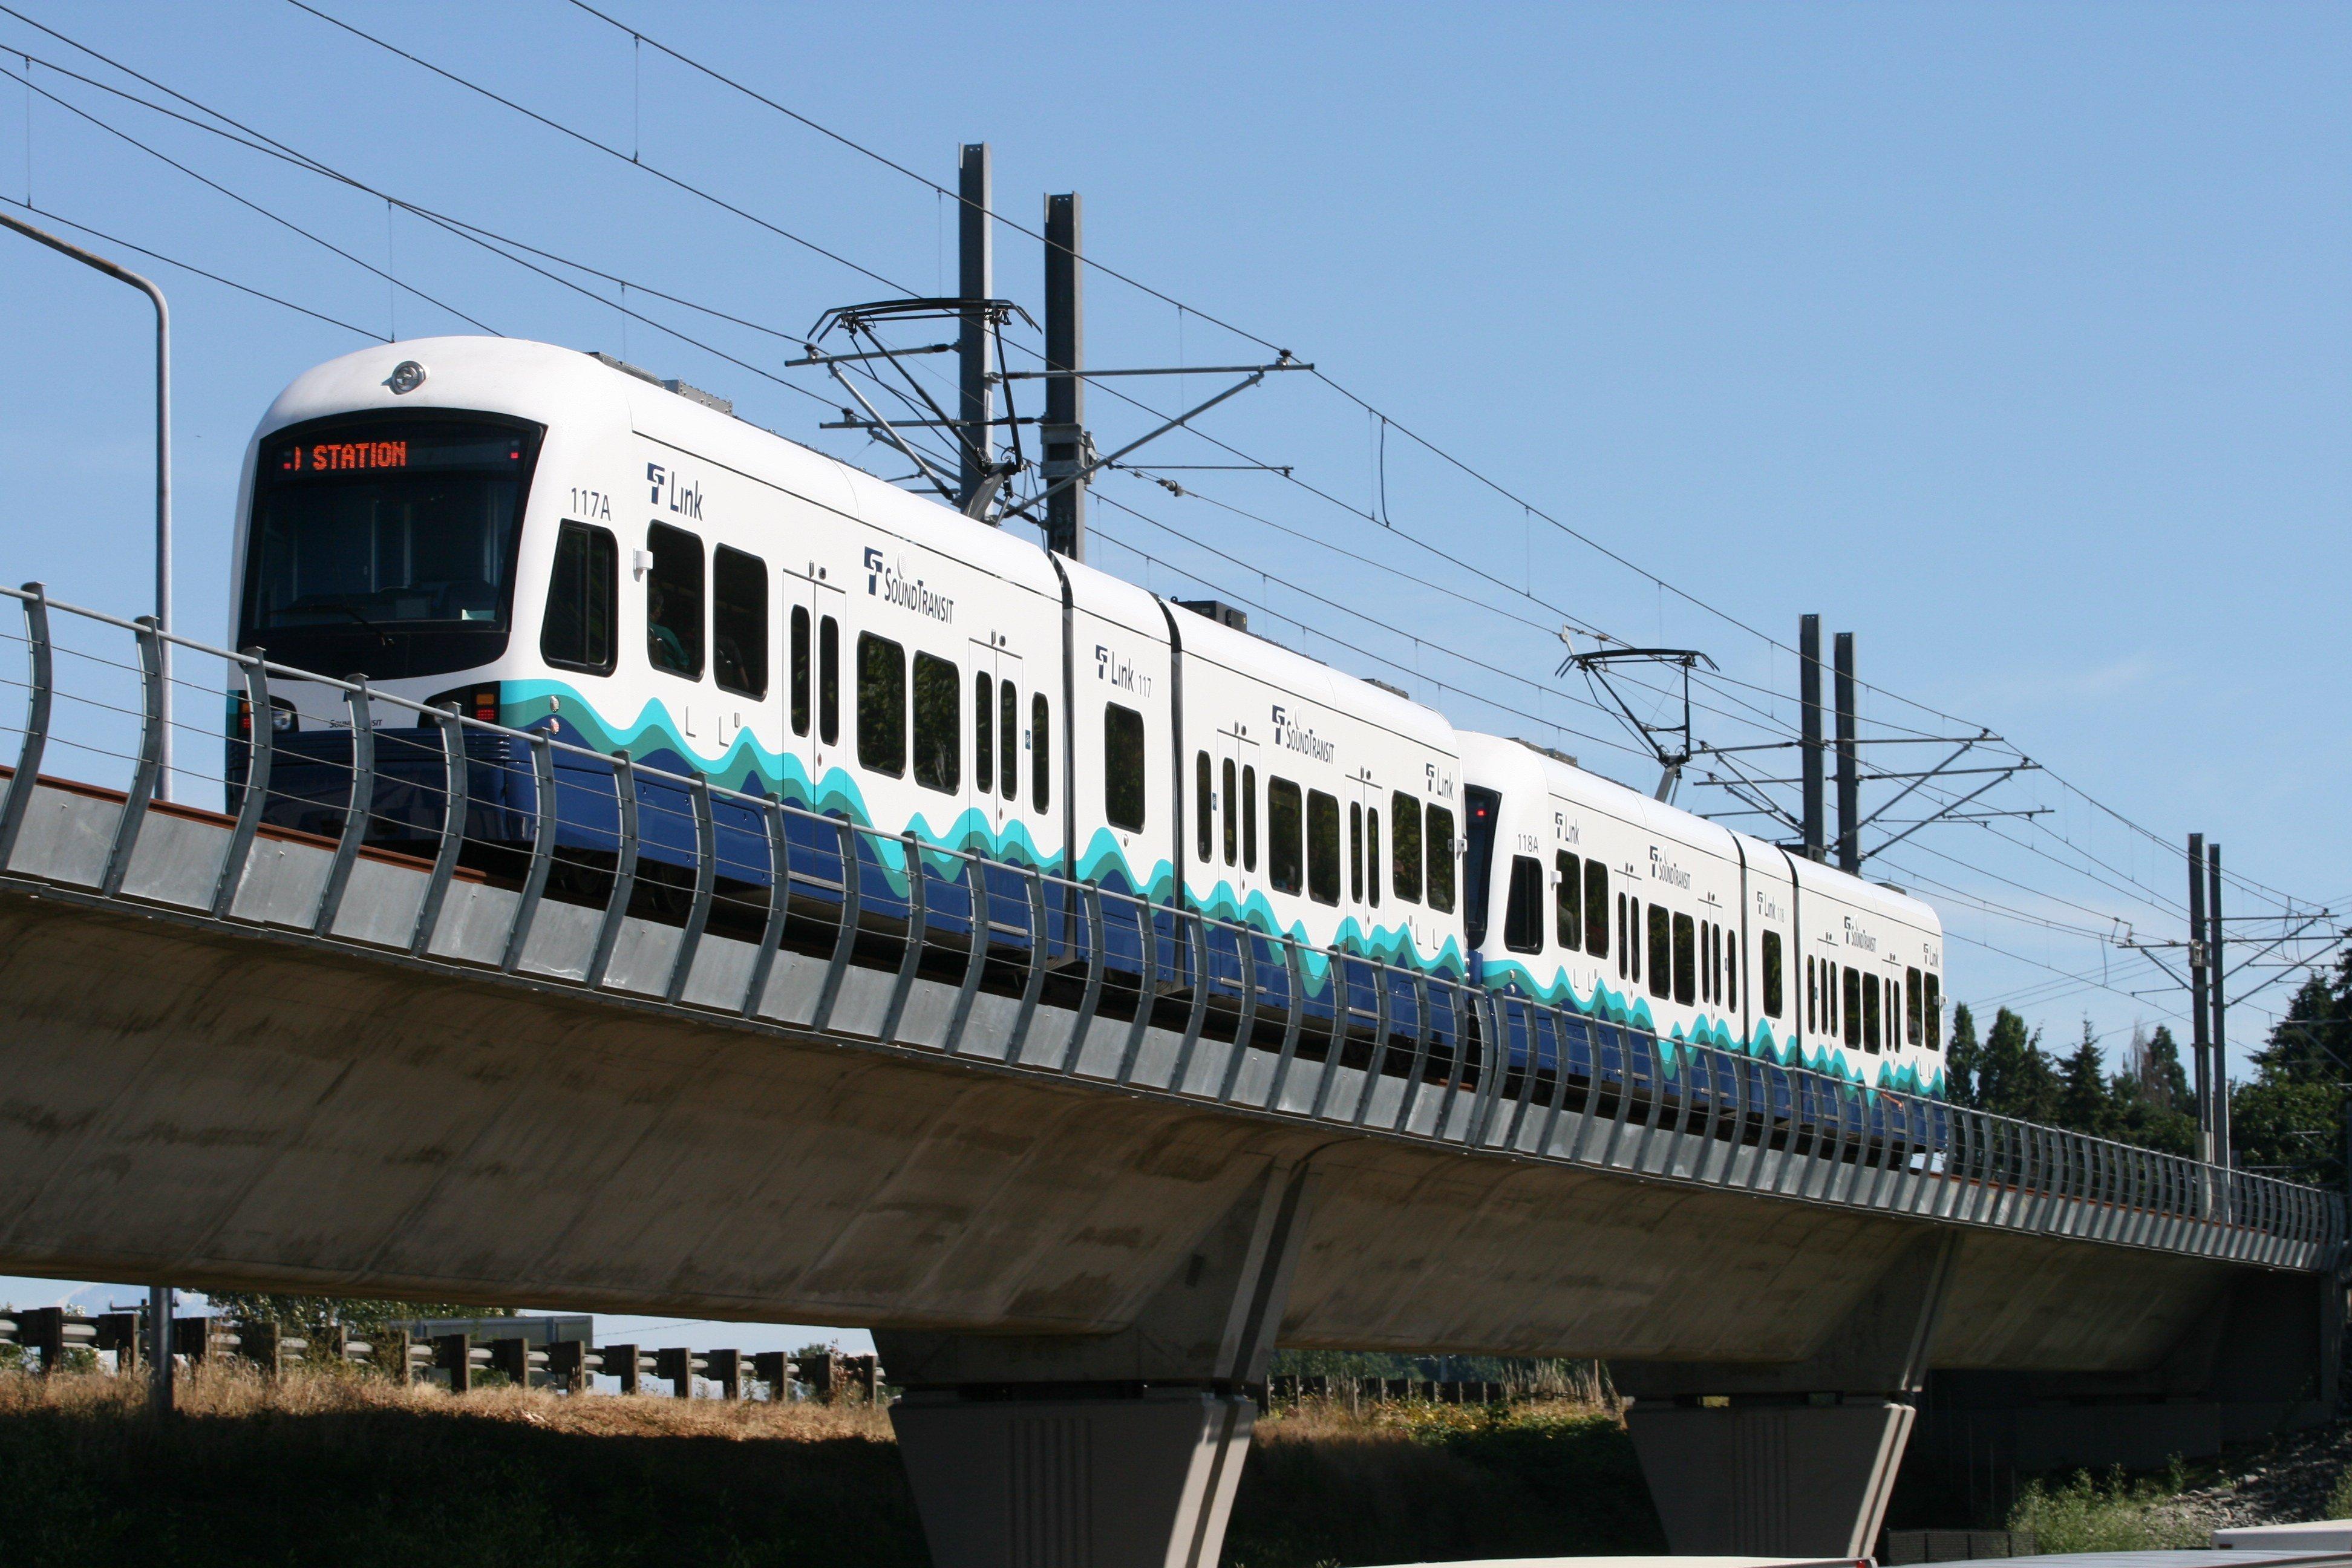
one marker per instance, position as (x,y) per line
(342,1467)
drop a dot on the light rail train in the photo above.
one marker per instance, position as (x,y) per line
(555,540)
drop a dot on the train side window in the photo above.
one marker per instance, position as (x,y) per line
(1911,1008)
(1233,814)
(1040,754)
(1870,1036)
(939,724)
(828,680)
(1812,995)
(983,732)
(1935,1010)
(1249,819)
(1707,960)
(881,705)
(738,622)
(1285,842)
(1662,954)
(674,601)
(1853,1006)
(1322,847)
(1773,996)
(1685,960)
(800,669)
(1568,901)
(1372,853)
(1731,972)
(578,631)
(1123,793)
(1204,829)
(1894,1013)
(1596,909)
(1624,942)
(1523,913)
(1404,846)
(1355,851)
(1439,835)
(1008,710)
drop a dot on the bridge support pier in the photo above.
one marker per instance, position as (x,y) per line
(1113,1449)
(1794,1459)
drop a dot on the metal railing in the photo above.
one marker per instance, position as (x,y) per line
(1082,981)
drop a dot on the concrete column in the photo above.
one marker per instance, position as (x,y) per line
(1795,1459)
(1117,1450)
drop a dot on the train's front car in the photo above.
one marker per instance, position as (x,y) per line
(387,530)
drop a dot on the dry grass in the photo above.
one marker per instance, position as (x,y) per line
(234,1392)
(337,1465)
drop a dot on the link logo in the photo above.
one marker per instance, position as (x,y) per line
(890,583)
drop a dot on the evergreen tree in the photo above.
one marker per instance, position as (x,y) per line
(2085,1101)
(2289,1119)
(1963,1057)
(2016,1077)
(2162,1078)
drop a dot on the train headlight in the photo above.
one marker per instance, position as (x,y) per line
(406,378)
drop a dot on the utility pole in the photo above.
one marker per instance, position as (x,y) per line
(2200,1010)
(975,281)
(1066,394)
(163,469)
(159,1349)
(2215,948)
(1808,685)
(1849,779)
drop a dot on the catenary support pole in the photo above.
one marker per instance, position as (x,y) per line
(162,462)
(1849,777)
(975,281)
(1064,431)
(2216,945)
(159,1349)
(2199,1002)
(1809,687)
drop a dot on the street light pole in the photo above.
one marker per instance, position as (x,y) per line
(163,465)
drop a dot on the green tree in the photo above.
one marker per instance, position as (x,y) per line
(317,1318)
(2085,1103)
(2289,1119)
(1963,1058)
(2016,1077)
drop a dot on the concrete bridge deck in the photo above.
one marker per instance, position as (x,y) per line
(239,1057)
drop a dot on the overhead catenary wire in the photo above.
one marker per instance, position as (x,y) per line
(1407,431)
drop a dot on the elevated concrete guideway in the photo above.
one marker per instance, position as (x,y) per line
(241,1058)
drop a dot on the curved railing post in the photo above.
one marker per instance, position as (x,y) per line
(261,746)
(780,904)
(453,831)
(918,922)
(844,936)
(151,758)
(1032,984)
(40,688)
(357,811)
(543,823)
(706,882)
(625,869)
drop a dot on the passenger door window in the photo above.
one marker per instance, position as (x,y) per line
(1567,900)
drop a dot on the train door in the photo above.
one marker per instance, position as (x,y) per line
(999,763)
(816,699)
(1367,832)
(1239,791)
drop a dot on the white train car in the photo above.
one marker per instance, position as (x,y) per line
(557,541)
(1591,896)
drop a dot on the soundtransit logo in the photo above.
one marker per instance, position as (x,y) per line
(891,583)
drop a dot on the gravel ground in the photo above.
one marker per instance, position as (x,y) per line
(2286,1483)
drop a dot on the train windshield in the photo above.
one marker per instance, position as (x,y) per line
(386,546)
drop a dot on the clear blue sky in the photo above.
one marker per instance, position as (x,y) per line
(2012,338)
